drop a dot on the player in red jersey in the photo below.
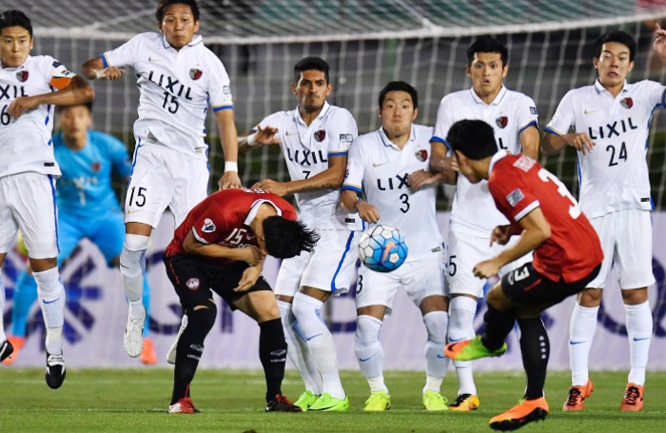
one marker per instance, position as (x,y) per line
(221,247)
(567,255)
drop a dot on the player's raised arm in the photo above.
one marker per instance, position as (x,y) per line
(659,44)
(77,91)
(94,69)
(229,138)
(261,137)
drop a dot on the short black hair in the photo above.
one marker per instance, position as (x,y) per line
(164,5)
(311,63)
(486,44)
(13,17)
(616,36)
(286,238)
(88,105)
(473,138)
(399,86)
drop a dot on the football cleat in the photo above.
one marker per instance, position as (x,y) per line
(576,399)
(6,349)
(171,354)
(524,412)
(306,399)
(633,398)
(55,370)
(183,406)
(465,402)
(327,403)
(378,401)
(133,338)
(471,349)
(148,355)
(281,404)
(17,343)
(434,401)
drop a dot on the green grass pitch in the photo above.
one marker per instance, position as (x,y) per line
(232,401)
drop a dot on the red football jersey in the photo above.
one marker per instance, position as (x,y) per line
(224,218)
(519,185)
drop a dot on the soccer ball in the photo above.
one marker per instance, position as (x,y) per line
(382,248)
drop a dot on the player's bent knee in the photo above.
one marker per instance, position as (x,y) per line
(134,248)
(202,316)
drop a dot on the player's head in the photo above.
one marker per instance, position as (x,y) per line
(614,54)
(311,85)
(178,20)
(473,142)
(75,120)
(16,38)
(398,108)
(487,65)
(285,238)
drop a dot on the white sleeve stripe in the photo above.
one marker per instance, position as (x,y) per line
(529,208)
(199,238)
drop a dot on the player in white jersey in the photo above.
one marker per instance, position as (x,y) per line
(178,77)
(314,139)
(29,89)
(513,117)
(611,121)
(391,167)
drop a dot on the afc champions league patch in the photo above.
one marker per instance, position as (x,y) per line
(192,283)
(502,121)
(209,226)
(514,197)
(195,73)
(421,154)
(320,135)
(22,76)
(627,102)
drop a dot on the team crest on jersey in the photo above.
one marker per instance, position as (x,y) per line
(195,73)
(209,226)
(502,121)
(627,102)
(514,197)
(421,155)
(22,76)
(320,135)
(95,166)
(192,283)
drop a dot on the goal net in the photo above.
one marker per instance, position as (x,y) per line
(367,43)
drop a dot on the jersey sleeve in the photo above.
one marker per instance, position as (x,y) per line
(355,168)
(655,93)
(512,196)
(443,123)
(565,116)
(57,74)
(219,86)
(211,224)
(344,131)
(124,55)
(527,114)
(120,162)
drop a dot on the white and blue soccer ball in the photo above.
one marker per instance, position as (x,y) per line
(382,248)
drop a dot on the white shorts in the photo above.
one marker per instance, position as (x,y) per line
(329,267)
(626,240)
(161,178)
(419,278)
(27,201)
(465,252)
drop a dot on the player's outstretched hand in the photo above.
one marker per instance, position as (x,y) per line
(659,45)
(22,105)
(228,180)
(486,268)
(110,73)
(580,141)
(422,178)
(270,185)
(248,279)
(501,235)
(367,212)
(266,136)
(251,255)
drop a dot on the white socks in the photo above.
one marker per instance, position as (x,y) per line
(52,302)
(369,351)
(436,323)
(131,268)
(639,331)
(461,327)
(319,339)
(3,337)
(298,351)
(582,328)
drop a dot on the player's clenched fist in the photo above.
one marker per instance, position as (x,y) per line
(110,73)
(21,105)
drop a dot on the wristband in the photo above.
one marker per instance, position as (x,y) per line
(231,166)
(252,140)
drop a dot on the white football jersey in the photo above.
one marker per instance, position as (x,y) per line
(614,176)
(175,89)
(25,143)
(474,211)
(380,169)
(306,150)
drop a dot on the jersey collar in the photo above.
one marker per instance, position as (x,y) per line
(388,143)
(322,113)
(601,89)
(255,208)
(496,101)
(496,157)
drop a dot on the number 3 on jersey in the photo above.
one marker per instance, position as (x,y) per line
(546,176)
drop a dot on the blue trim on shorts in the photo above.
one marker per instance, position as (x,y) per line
(55,210)
(342,260)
